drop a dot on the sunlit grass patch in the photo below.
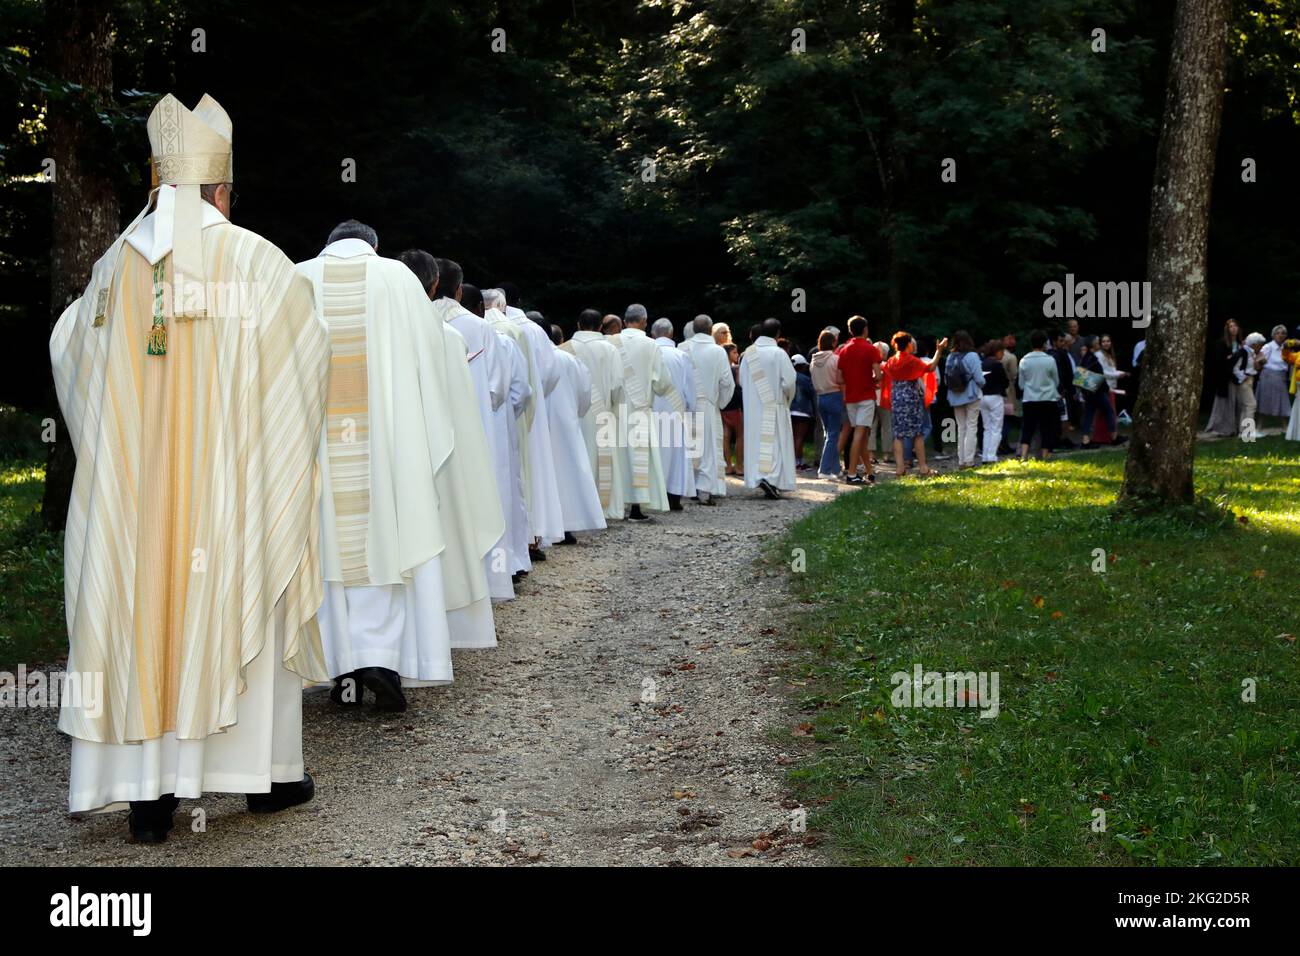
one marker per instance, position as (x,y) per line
(1123,650)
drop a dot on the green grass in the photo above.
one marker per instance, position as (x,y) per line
(31,571)
(1119,690)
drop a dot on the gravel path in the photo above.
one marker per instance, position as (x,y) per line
(625,718)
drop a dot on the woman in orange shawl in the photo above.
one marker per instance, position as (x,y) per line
(910,386)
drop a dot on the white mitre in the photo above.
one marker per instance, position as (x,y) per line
(189,149)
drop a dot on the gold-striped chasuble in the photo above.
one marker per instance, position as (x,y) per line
(347,413)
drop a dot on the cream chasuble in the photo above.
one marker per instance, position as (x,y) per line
(767,380)
(714,387)
(600,422)
(191,572)
(644,376)
(411,508)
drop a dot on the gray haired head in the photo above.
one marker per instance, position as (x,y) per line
(635,313)
(663,328)
(351,229)
(703,325)
(494,299)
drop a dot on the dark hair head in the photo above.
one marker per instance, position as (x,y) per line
(1090,342)
(857,326)
(772,328)
(423,265)
(589,320)
(900,342)
(992,347)
(471,298)
(1037,338)
(450,276)
(962,341)
(351,229)
(557,335)
(826,340)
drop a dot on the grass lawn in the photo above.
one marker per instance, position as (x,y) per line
(31,571)
(1119,690)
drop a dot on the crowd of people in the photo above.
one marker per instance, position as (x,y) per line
(864,402)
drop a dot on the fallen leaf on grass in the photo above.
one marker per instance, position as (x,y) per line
(1039,601)
(741,852)
(803,730)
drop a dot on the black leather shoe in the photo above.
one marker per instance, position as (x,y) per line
(347,690)
(675,503)
(536,554)
(770,489)
(569,538)
(151,820)
(282,796)
(386,686)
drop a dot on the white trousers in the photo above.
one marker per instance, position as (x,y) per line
(992,409)
(967,431)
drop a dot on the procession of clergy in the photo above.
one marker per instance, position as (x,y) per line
(330,471)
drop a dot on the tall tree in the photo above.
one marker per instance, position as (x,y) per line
(1164,434)
(85,206)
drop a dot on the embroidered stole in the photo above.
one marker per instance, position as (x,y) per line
(766,395)
(604,454)
(638,402)
(347,413)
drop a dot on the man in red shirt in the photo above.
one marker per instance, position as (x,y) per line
(859,363)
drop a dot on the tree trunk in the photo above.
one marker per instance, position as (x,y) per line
(1160,456)
(86,215)
(900,21)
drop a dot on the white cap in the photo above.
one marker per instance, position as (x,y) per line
(798,360)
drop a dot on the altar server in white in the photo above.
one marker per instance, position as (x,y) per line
(767,380)
(191,374)
(604,367)
(677,436)
(410,507)
(714,386)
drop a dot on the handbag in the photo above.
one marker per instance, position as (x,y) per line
(1088,381)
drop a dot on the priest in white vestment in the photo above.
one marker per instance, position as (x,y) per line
(604,366)
(410,509)
(519,416)
(714,386)
(569,401)
(677,437)
(767,382)
(490,373)
(191,374)
(545,517)
(644,376)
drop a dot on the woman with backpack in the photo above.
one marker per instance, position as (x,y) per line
(964,376)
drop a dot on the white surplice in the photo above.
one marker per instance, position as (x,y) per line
(675,441)
(490,372)
(600,422)
(568,402)
(410,509)
(767,380)
(511,414)
(714,386)
(644,377)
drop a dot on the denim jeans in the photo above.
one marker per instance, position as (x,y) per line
(830,406)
